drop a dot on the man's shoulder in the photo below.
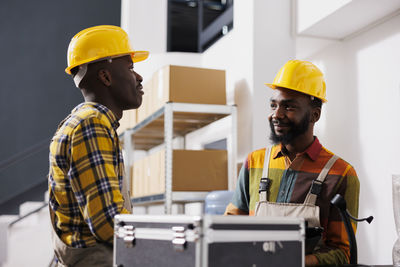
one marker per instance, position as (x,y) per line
(340,162)
(258,152)
(85,114)
(256,158)
(261,152)
(77,118)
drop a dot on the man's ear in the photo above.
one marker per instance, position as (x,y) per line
(315,114)
(104,76)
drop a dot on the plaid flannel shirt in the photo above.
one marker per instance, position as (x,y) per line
(291,182)
(85,177)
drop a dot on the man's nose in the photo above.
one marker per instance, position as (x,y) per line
(139,78)
(278,113)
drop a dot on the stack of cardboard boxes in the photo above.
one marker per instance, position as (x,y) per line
(191,170)
(148,175)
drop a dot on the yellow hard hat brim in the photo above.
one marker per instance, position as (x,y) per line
(137,56)
(274,86)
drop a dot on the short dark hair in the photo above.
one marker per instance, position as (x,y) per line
(316,102)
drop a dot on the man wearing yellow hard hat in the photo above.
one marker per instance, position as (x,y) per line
(297,176)
(86,182)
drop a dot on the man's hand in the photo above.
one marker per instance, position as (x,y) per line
(311,260)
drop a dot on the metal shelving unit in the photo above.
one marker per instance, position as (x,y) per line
(171,121)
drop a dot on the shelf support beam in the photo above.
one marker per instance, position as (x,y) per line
(232,150)
(168,135)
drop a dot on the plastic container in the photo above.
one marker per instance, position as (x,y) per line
(216,201)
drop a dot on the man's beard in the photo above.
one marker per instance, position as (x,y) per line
(295,130)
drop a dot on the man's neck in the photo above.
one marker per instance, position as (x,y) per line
(90,97)
(299,145)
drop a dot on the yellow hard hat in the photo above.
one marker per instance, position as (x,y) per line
(301,76)
(99,42)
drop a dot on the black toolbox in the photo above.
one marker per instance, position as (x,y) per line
(208,241)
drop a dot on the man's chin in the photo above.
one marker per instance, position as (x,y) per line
(280,138)
(275,139)
(134,104)
(280,133)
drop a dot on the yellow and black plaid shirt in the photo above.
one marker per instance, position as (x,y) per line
(85,178)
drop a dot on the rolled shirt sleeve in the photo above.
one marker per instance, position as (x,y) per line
(240,201)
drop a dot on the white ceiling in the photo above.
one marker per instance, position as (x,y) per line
(352,18)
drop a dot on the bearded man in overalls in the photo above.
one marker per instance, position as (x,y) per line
(297,176)
(86,179)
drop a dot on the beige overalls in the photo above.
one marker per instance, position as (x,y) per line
(307,210)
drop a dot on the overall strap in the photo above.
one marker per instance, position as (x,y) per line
(265,181)
(266,162)
(316,185)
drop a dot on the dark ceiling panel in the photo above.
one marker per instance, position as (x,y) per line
(183,23)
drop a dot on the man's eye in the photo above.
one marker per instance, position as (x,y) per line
(290,107)
(272,106)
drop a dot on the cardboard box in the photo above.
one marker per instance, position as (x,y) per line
(192,170)
(190,85)
(128,120)
(138,178)
(157,181)
(182,85)
(161,172)
(134,178)
(199,170)
(146,108)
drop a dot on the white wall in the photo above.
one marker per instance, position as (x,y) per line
(146,24)
(361,124)
(234,53)
(251,54)
(274,45)
(320,10)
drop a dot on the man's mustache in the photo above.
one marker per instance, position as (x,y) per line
(276,122)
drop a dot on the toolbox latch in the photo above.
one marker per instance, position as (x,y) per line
(127,233)
(179,239)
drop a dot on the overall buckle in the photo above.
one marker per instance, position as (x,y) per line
(316,187)
(264,185)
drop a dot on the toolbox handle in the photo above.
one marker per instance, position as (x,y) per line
(179,241)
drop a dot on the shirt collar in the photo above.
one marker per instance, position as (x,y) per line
(102,109)
(312,151)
